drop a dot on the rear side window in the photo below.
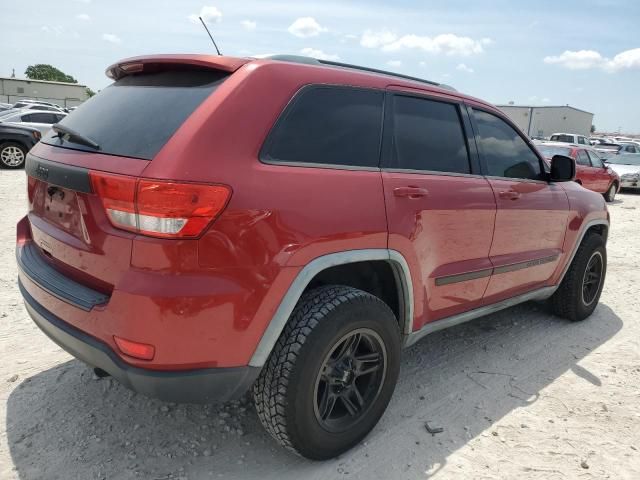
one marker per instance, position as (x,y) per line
(504,150)
(40,118)
(583,158)
(427,135)
(562,138)
(330,126)
(136,115)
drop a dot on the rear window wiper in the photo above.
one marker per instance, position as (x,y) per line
(76,137)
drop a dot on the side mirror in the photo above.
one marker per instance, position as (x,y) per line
(563,169)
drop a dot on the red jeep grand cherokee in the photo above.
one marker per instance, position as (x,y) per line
(209,225)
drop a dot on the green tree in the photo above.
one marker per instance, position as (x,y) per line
(42,71)
(90,93)
(593,128)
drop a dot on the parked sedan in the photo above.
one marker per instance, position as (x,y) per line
(628,167)
(42,120)
(591,172)
(15,141)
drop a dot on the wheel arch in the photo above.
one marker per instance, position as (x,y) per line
(315,269)
(599,226)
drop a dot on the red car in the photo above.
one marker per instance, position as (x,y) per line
(209,225)
(591,172)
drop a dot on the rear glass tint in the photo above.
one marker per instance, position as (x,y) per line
(329,126)
(136,115)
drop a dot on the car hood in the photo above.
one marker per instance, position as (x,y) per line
(622,169)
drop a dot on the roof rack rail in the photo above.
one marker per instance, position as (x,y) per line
(315,61)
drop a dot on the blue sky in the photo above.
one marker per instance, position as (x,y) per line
(582,53)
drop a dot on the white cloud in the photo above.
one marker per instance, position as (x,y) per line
(463,68)
(394,63)
(628,59)
(56,30)
(305,27)
(580,60)
(588,59)
(447,43)
(371,39)
(111,38)
(248,24)
(208,14)
(319,54)
(536,99)
(83,16)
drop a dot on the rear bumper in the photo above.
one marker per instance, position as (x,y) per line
(190,386)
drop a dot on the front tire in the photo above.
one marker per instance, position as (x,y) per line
(12,155)
(331,374)
(579,292)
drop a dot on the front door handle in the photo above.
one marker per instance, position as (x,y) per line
(509,195)
(411,192)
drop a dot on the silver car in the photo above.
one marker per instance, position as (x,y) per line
(40,119)
(627,167)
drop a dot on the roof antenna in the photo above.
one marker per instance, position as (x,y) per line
(210,36)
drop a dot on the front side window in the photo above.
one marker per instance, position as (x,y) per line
(427,135)
(331,126)
(582,140)
(505,152)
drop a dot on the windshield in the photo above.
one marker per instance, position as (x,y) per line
(550,150)
(136,115)
(629,159)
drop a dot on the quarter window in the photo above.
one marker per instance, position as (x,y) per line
(427,135)
(504,150)
(329,125)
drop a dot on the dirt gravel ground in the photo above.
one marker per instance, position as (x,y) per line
(519,394)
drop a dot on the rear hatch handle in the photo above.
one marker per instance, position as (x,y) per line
(76,137)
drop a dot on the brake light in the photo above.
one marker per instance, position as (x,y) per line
(159,208)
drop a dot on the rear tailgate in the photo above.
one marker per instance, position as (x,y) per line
(119,131)
(68,222)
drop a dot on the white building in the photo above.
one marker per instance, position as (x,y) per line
(546,120)
(61,93)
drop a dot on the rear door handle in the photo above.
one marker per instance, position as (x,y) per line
(509,195)
(411,192)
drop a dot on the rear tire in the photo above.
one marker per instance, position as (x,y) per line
(579,292)
(314,395)
(610,196)
(12,155)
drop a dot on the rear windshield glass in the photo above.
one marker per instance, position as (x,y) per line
(562,138)
(136,115)
(549,150)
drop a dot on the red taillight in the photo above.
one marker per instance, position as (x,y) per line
(142,351)
(159,208)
